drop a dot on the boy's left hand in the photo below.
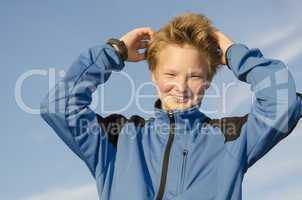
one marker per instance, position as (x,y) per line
(224,43)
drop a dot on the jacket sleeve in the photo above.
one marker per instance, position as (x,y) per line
(276,108)
(66,107)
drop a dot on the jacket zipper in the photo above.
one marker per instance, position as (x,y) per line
(166,158)
(183,168)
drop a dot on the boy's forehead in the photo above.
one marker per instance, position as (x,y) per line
(173,65)
(173,53)
(176,68)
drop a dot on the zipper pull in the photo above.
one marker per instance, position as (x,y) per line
(170,113)
(171,119)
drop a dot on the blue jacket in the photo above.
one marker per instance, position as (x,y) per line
(177,155)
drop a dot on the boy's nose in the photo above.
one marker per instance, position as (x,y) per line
(182,86)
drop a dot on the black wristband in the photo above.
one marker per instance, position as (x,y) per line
(121,46)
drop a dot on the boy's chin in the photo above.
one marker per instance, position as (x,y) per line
(178,106)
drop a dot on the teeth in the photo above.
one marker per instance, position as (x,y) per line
(181,98)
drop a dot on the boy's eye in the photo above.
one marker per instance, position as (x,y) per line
(195,76)
(169,74)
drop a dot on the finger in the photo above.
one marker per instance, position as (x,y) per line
(140,56)
(146,31)
(215,29)
(145,37)
(143,44)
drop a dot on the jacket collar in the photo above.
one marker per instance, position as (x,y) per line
(185,120)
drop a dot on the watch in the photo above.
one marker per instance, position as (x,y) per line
(123,50)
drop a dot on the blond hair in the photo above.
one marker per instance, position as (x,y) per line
(191,29)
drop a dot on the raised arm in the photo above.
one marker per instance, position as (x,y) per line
(231,126)
(66,107)
(276,109)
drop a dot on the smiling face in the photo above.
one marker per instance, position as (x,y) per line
(180,77)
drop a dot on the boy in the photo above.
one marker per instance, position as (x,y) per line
(179,153)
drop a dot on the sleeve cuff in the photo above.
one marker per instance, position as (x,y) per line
(234,52)
(110,58)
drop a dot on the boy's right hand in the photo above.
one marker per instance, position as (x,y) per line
(135,40)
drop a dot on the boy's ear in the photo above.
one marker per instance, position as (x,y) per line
(153,77)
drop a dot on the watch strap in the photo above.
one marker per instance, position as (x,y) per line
(123,50)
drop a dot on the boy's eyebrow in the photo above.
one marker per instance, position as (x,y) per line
(170,70)
(196,72)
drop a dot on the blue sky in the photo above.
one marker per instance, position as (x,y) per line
(39,35)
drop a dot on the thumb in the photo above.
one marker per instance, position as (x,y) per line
(140,56)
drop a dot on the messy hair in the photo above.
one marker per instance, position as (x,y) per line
(191,29)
